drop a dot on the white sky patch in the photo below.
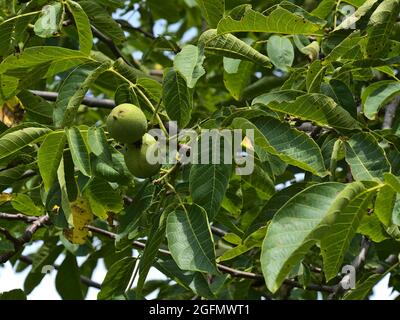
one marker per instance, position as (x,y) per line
(382,291)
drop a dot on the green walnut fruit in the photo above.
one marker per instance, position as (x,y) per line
(136,161)
(127,123)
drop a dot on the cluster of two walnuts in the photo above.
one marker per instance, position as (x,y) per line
(127,124)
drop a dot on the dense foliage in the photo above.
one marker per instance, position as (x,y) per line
(315,80)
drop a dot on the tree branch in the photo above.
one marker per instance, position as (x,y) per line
(390,113)
(25,238)
(18,216)
(88,101)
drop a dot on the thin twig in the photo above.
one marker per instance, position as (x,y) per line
(112,46)
(127,26)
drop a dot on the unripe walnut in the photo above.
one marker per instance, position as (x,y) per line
(136,161)
(127,123)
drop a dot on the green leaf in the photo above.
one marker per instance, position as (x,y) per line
(366,158)
(50,21)
(102,198)
(311,50)
(298,225)
(318,108)
(260,181)
(9,26)
(37,109)
(177,97)
(103,21)
(9,176)
(79,150)
(290,145)
(396,211)
(98,144)
(350,21)
(8,87)
(277,96)
(342,95)
(83,25)
(212,10)
(51,60)
(324,8)
(343,47)
(274,204)
(117,279)
(189,63)
(113,4)
(208,184)
(337,239)
(68,88)
(372,228)
(378,95)
(16,294)
(281,52)
(155,239)
(237,82)
(392,181)
(380,26)
(49,157)
(196,282)
(130,221)
(357,3)
(69,287)
(315,75)
(252,241)
(24,204)
(152,88)
(384,204)
(278,20)
(190,240)
(62,174)
(125,94)
(11,143)
(230,46)
(76,99)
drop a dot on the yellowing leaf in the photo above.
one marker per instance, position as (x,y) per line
(81,215)
(12,112)
(5,197)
